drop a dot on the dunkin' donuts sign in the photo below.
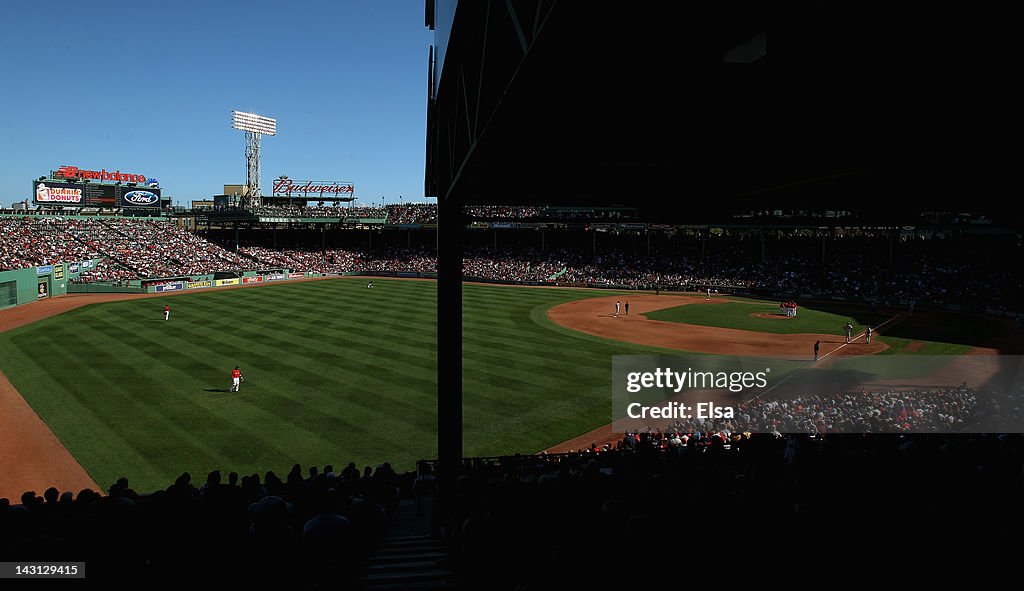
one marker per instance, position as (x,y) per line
(58,193)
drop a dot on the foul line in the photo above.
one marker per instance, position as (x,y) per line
(876,330)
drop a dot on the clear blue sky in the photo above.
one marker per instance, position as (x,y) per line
(148,87)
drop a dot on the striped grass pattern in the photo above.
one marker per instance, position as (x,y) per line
(334,373)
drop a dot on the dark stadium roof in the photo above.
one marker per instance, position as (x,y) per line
(881,110)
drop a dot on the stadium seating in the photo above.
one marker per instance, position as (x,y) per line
(926,271)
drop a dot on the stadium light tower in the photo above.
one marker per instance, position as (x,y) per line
(255,126)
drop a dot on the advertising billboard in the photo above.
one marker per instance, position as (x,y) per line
(90,194)
(52,193)
(177,286)
(286,187)
(66,171)
(134,197)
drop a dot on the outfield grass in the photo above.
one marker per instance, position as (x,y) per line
(334,373)
(822,319)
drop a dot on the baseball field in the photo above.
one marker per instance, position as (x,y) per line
(335,372)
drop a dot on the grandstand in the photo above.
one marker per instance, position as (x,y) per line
(937,264)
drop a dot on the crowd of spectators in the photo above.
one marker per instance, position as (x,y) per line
(505,212)
(933,467)
(310,527)
(652,515)
(158,249)
(336,210)
(412,213)
(929,410)
(524,522)
(426,213)
(131,248)
(934,271)
(341,260)
(41,240)
(407,213)
(534,213)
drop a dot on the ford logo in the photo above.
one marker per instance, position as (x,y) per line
(141,197)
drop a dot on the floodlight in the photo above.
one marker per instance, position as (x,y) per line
(253,123)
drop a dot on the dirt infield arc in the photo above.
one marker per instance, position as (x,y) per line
(595,316)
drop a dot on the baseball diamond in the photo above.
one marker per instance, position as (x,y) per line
(125,394)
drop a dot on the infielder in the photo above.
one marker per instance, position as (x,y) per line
(617,305)
(236,379)
(867,335)
(709,294)
(849,331)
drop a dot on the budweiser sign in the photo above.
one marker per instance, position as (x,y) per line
(73,172)
(288,187)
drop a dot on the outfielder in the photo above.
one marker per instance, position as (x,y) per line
(167,312)
(236,379)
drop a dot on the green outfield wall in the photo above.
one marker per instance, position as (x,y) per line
(21,286)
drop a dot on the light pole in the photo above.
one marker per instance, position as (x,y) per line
(255,126)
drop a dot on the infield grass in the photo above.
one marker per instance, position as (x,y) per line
(739,314)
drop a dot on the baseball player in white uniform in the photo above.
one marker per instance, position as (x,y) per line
(617,306)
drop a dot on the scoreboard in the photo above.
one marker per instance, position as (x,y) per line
(74,194)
